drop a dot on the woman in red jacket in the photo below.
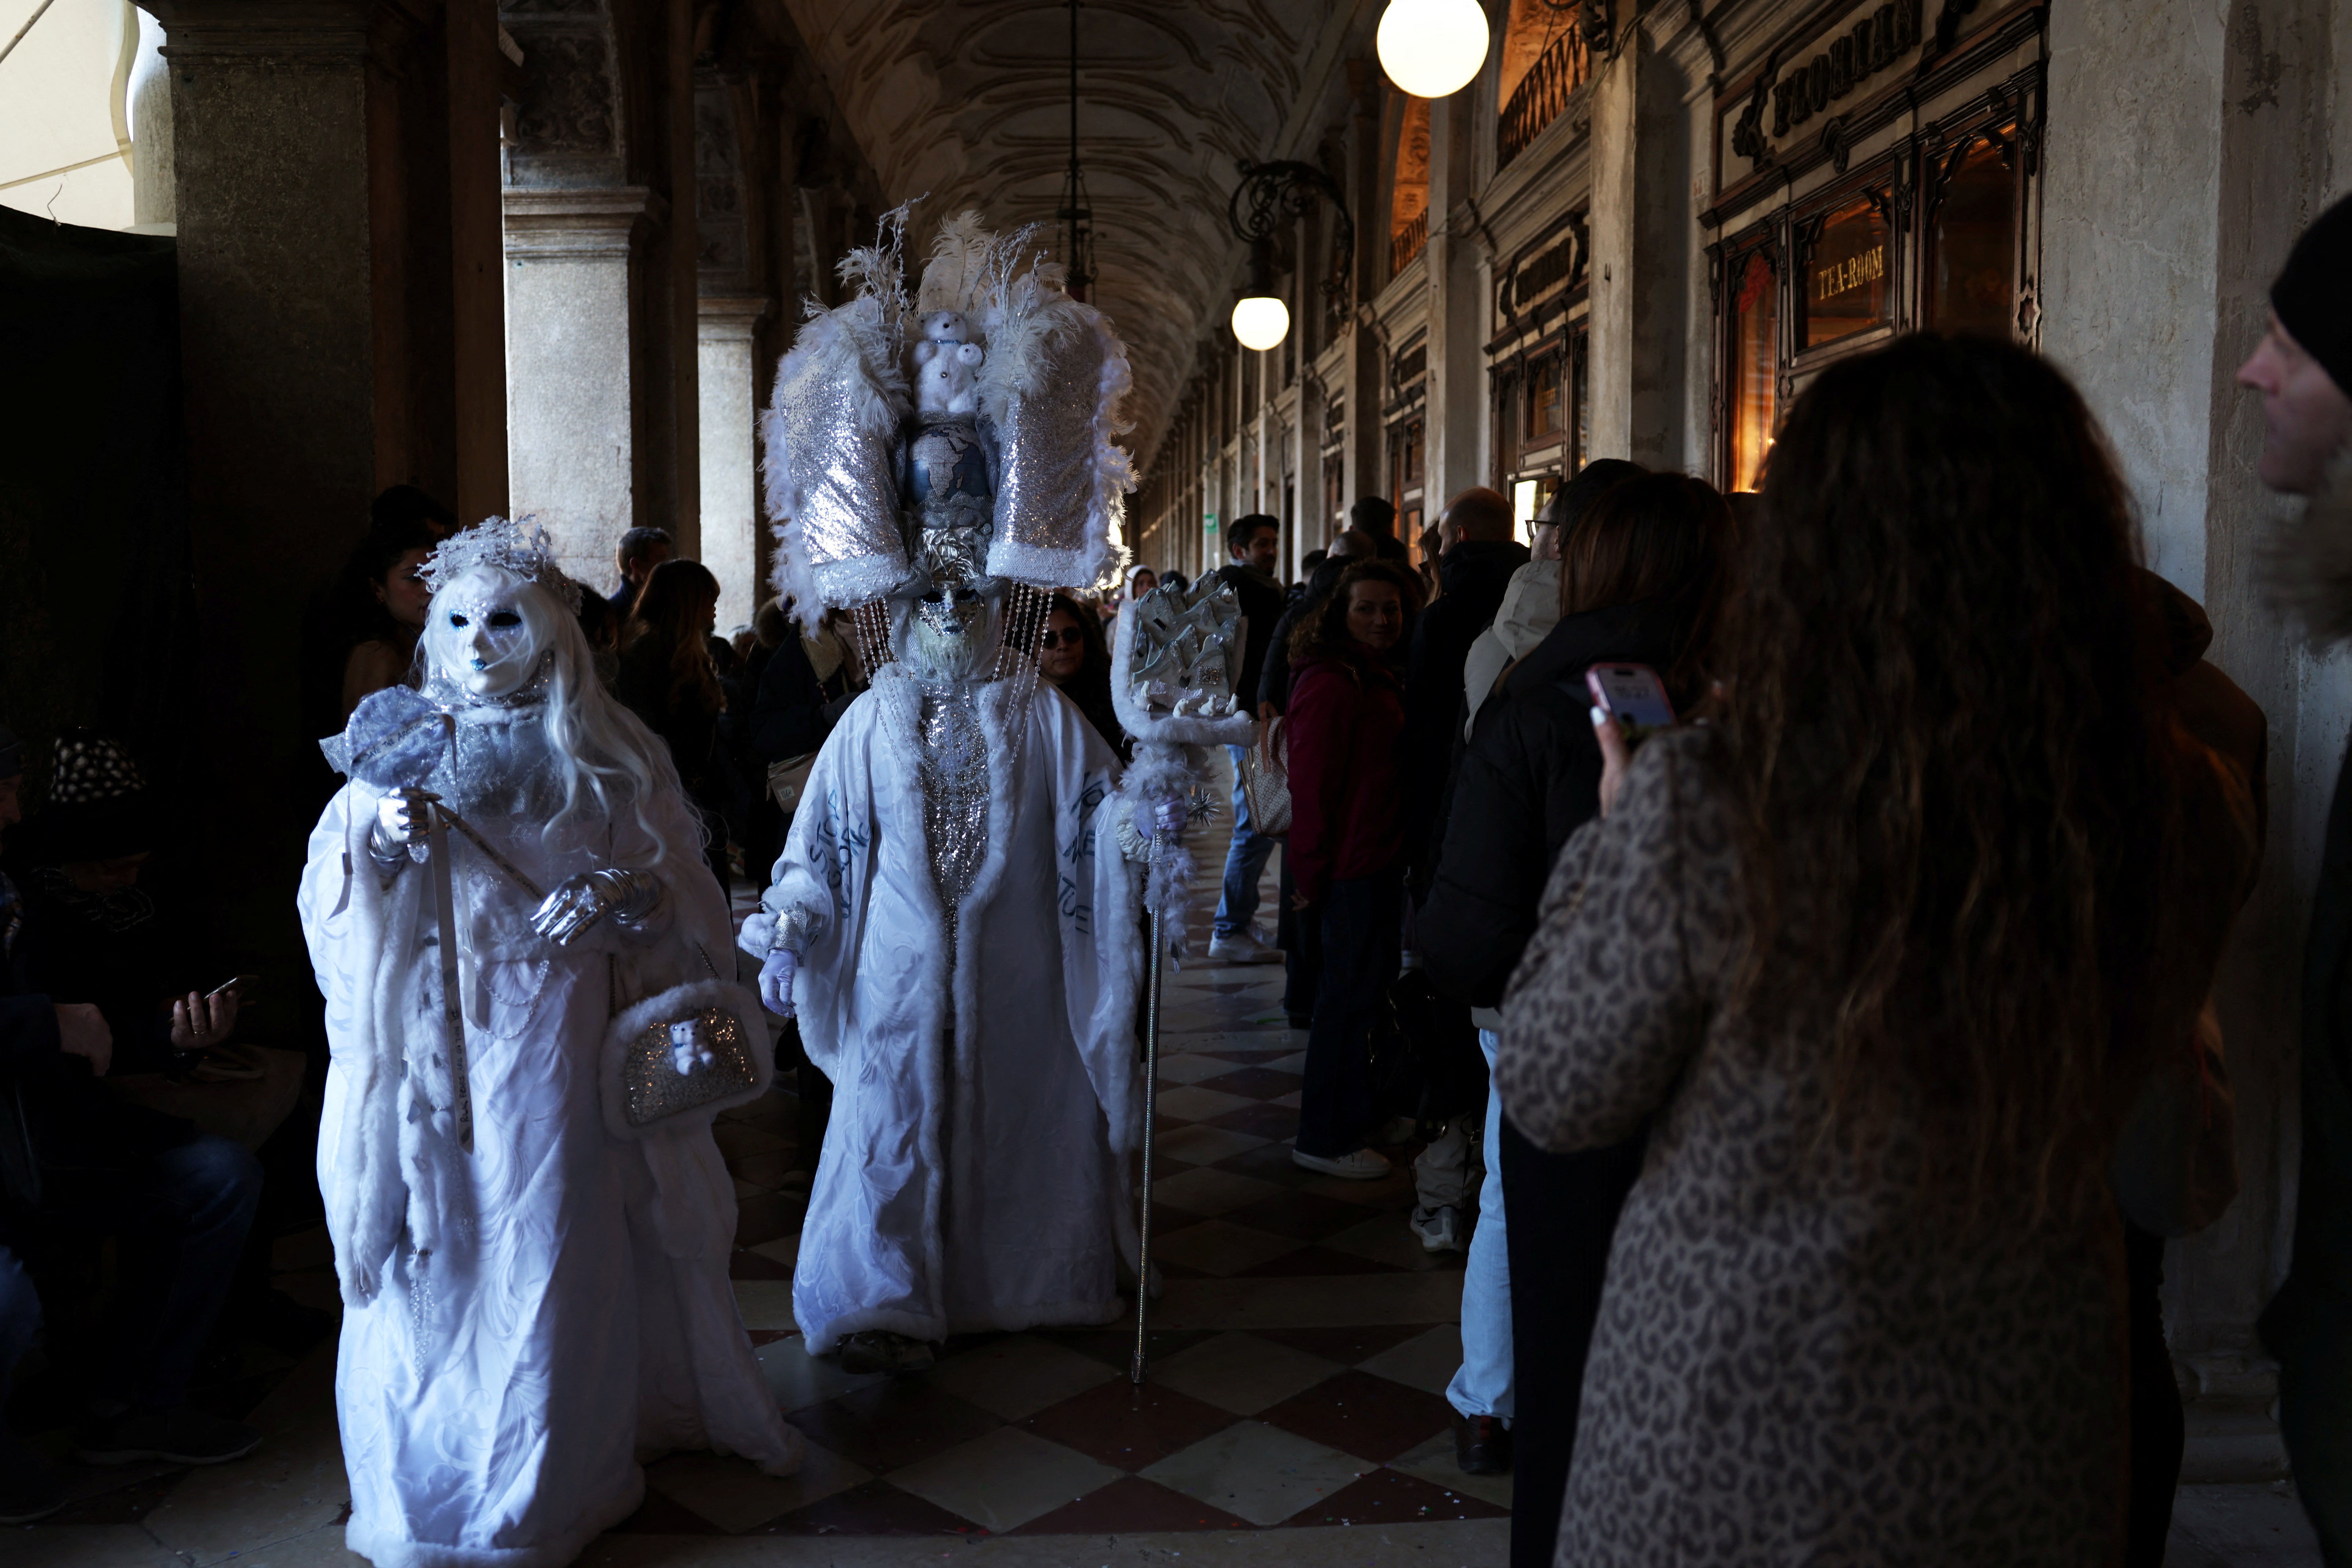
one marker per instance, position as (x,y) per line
(1347,709)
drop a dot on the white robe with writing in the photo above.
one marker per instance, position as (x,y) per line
(975,1174)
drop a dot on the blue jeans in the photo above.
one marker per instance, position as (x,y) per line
(1245,860)
(1482,1384)
(180,1220)
(20,1316)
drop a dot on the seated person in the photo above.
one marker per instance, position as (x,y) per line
(80,1163)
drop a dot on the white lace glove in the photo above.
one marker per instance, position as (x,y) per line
(776,973)
(1168,814)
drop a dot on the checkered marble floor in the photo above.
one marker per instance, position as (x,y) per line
(1293,1411)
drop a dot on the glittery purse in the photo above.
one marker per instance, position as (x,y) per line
(643,1086)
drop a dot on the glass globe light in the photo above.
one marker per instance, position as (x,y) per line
(1432,47)
(1261,322)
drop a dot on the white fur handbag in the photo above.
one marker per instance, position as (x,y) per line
(680,1056)
(1266,780)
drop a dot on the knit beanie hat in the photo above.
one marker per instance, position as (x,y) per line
(2313,295)
(97,807)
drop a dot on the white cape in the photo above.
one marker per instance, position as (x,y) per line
(569,1311)
(979,1182)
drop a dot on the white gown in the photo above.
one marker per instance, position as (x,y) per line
(979,1183)
(525,1322)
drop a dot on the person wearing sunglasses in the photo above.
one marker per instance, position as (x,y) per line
(1072,655)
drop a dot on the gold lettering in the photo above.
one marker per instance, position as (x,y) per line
(1854,272)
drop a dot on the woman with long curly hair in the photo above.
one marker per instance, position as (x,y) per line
(1347,842)
(668,680)
(1884,955)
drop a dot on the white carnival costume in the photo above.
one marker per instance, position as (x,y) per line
(535,1287)
(952,917)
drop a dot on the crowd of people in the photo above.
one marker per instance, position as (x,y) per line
(1834,1015)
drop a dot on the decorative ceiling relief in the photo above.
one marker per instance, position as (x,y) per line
(969,103)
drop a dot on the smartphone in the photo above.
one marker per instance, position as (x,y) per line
(242,985)
(1632,693)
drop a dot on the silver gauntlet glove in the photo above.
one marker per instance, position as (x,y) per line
(565,914)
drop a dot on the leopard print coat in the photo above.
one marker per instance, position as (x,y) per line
(1791,1365)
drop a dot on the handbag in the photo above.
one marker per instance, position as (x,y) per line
(704,1021)
(788,778)
(1266,780)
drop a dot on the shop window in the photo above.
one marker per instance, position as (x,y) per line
(1972,238)
(1529,497)
(1543,419)
(1848,276)
(1755,368)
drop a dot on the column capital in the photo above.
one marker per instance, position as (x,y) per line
(552,222)
(322,33)
(730,318)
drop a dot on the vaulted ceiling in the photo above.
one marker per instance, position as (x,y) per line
(966,102)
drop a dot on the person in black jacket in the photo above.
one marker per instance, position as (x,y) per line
(1639,578)
(1255,540)
(76,1163)
(668,680)
(1479,557)
(1375,518)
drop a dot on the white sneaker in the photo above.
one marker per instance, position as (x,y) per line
(1440,1229)
(1363,1165)
(1242,947)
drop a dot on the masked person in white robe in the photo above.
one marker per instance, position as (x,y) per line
(953,920)
(521,950)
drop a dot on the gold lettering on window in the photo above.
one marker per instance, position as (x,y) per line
(1843,277)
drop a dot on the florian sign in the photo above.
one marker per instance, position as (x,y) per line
(1867,44)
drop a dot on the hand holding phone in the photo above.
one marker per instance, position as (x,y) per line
(1628,701)
(1633,695)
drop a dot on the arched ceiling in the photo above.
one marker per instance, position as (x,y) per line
(968,101)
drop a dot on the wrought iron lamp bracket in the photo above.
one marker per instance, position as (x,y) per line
(1272,193)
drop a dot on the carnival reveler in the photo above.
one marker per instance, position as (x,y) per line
(511,918)
(953,917)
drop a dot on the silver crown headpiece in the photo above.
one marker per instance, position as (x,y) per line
(519,545)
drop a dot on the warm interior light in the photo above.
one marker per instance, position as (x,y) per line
(1432,48)
(1261,321)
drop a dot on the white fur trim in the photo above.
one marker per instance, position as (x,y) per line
(667,1007)
(855,582)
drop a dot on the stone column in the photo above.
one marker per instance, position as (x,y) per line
(730,458)
(1457,379)
(269,136)
(572,397)
(1641,255)
(2157,252)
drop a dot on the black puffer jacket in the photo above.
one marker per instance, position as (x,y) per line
(1261,599)
(1474,574)
(1532,777)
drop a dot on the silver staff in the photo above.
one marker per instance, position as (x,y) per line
(1150,1114)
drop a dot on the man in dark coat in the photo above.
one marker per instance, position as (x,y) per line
(1373,516)
(1480,554)
(2303,371)
(1256,540)
(640,551)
